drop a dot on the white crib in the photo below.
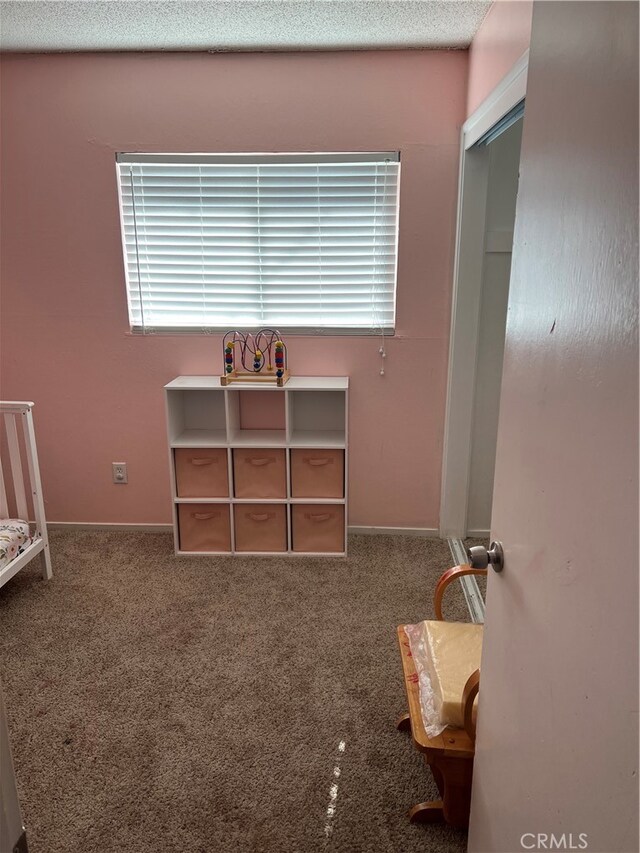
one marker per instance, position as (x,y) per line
(18,418)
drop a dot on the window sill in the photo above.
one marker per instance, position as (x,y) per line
(286,332)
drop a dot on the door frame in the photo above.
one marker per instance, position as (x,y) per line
(467,290)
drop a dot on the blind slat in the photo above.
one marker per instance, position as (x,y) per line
(286,243)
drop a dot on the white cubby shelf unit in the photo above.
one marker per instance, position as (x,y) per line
(294,486)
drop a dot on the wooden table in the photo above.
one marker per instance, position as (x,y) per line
(449,755)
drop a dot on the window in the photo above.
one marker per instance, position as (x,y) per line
(297,242)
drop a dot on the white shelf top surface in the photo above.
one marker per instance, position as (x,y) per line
(319,438)
(295,383)
(231,500)
(258,438)
(201,438)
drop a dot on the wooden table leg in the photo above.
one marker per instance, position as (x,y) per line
(403,724)
(427,812)
(437,776)
(453,778)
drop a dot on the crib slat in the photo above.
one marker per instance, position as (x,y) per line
(4,507)
(16,466)
(36,488)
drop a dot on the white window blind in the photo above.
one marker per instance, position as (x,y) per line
(295,242)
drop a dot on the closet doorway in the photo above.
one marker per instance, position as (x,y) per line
(489,167)
(504,159)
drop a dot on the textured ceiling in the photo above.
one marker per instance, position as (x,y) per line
(237,24)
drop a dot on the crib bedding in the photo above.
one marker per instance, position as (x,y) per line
(15,537)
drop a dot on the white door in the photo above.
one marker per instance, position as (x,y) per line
(557,750)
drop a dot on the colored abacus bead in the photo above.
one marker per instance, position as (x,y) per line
(279,373)
(229,368)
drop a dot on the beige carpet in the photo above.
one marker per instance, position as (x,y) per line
(161,704)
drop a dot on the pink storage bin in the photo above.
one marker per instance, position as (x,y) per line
(259,473)
(261,527)
(317,473)
(204,527)
(202,472)
(317,527)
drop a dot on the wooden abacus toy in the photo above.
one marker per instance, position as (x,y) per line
(263,357)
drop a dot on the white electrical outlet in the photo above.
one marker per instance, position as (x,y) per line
(119,472)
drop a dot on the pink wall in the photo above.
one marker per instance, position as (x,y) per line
(65,340)
(501,40)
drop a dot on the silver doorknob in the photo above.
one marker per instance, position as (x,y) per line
(480,558)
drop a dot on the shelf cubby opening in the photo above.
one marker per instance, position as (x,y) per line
(317,418)
(256,418)
(196,419)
